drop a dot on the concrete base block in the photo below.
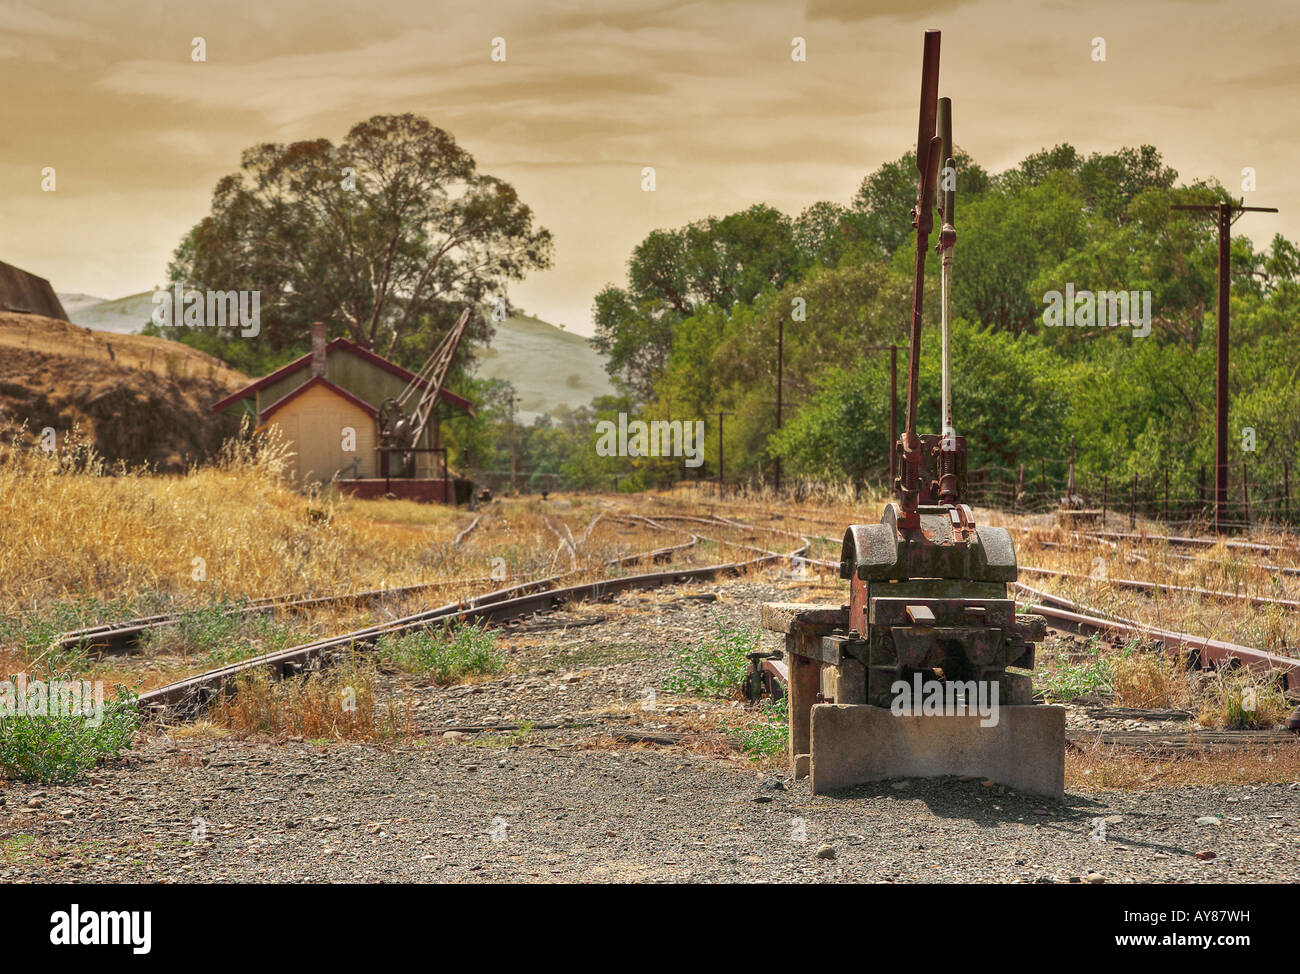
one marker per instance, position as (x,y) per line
(852,745)
(801,765)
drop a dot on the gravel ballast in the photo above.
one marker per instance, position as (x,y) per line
(573,805)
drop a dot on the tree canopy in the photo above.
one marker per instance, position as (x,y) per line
(693,338)
(386,236)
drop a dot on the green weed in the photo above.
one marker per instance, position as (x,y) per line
(716,665)
(446,656)
(54,749)
(766,736)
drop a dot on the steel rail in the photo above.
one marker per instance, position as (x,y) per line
(191,693)
(1075,617)
(120,636)
(461,535)
(1138,584)
(1261,566)
(1187,542)
(739,525)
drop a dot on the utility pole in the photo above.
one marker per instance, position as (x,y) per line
(513,469)
(1224,213)
(780,363)
(721,468)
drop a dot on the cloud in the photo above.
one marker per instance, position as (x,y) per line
(853,11)
(19,19)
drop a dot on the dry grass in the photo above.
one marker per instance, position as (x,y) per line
(1242,700)
(1098,766)
(84,544)
(337,704)
(54,337)
(68,528)
(1152,680)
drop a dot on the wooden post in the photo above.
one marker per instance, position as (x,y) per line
(1105,495)
(805,676)
(1224,213)
(1286,491)
(1245,491)
(1020,488)
(1166,506)
(1043,461)
(1133,505)
(780,364)
(721,458)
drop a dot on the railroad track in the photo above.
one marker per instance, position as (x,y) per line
(1142,586)
(1290,570)
(1193,542)
(1071,616)
(1179,742)
(119,637)
(189,695)
(1065,615)
(543,595)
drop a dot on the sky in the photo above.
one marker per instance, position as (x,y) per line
(707,93)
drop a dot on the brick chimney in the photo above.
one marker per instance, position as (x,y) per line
(318,348)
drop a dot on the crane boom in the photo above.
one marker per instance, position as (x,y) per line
(431,377)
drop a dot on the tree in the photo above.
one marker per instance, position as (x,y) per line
(881,208)
(1009,401)
(388,234)
(672,273)
(821,233)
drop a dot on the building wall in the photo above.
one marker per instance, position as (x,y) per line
(368,383)
(314,423)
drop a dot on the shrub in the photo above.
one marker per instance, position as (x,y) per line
(55,749)
(766,736)
(1151,679)
(445,657)
(1069,679)
(1242,700)
(716,665)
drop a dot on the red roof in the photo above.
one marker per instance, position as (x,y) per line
(320,380)
(361,352)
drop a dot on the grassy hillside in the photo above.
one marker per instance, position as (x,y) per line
(548,366)
(123,315)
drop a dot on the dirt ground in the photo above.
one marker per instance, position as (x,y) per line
(587,802)
(134,398)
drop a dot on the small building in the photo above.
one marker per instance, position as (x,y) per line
(326,404)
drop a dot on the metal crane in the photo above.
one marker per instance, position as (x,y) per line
(399,430)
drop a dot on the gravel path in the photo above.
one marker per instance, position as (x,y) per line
(572,805)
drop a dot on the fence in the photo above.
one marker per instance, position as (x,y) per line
(1043,487)
(1033,488)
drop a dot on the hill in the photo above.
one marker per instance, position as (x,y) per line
(548,366)
(121,315)
(137,399)
(75,302)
